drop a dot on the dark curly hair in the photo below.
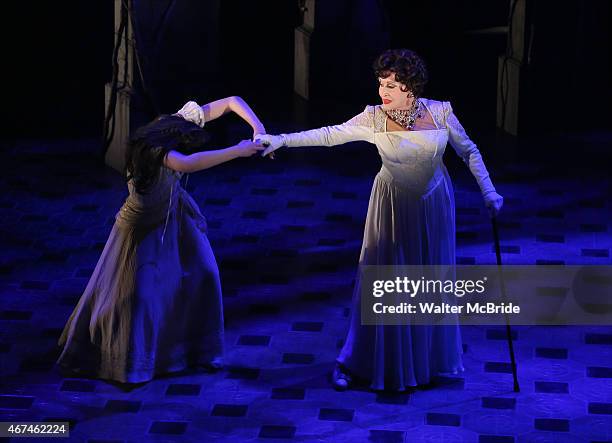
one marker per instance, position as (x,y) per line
(407,66)
(149,145)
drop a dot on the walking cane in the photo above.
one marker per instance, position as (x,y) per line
(503,293)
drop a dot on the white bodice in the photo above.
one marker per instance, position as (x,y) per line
(413,159)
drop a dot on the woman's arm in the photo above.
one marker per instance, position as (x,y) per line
(207,159)
(470,154)
(467,150)
(194,113)
(360,127)
(216,109)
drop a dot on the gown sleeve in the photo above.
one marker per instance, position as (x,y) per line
(467,150)
(360,127)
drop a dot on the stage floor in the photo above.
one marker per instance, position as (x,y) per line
(286,234)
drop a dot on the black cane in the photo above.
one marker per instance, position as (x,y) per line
(503,293)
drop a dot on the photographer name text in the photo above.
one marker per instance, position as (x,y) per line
(447,308)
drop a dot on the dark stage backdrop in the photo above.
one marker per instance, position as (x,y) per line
(58,61)
(56,57)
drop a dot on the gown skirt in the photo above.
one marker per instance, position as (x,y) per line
(153,303)
(402,228)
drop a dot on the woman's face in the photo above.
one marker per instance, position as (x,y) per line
(391,93)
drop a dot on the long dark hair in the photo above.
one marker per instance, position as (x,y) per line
(149,145)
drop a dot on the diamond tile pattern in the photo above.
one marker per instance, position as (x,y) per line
(287,236)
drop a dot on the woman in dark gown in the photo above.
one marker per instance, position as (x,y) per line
(153,303)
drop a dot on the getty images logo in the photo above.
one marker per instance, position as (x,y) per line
(412,287)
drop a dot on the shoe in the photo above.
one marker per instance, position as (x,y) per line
(213,366)
(340,379)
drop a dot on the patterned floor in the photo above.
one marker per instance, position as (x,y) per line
(286,234)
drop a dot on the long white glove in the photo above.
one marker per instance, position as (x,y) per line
(493,202)
(192,112)
(273,142)
(360,127)
(470,154)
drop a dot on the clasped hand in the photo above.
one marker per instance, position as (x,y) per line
(271,142)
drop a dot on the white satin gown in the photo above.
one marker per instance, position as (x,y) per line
(410,221)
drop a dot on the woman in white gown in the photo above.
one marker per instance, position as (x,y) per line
(410,219)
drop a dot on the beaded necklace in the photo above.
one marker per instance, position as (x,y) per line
(406,118)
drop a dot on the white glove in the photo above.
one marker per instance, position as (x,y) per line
(193,113)
(494,202)
(273,142)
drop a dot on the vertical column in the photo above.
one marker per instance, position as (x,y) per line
(118,92)
(303,35)
(511,71)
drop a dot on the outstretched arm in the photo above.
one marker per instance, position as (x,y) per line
(360,127)
(471,156)
(207,159)
(200,114)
